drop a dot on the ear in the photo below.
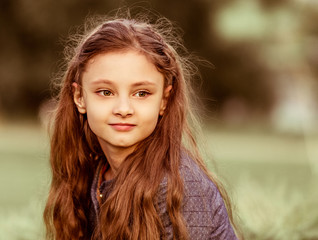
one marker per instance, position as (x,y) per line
(164,100)
(78,98)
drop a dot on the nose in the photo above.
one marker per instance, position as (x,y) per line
(123,107)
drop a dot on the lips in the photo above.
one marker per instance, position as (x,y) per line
(122,126)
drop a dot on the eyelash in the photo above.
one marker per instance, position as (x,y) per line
(146,93)
(107,93)
(101,92)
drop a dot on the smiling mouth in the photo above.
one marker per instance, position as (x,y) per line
(122,126)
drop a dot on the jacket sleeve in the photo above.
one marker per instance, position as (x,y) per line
(204,211)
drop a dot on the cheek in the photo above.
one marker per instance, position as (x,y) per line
(95,114)
(151,118)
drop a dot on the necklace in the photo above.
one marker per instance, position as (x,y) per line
(101,179)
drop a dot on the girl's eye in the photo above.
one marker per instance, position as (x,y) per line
(105,93)
(142,94)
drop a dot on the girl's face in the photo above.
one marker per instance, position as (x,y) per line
(123,95)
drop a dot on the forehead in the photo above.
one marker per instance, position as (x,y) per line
(121,66)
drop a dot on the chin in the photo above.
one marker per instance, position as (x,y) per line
(124,145)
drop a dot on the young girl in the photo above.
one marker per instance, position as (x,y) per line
(124,160)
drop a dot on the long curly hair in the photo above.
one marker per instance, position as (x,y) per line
(130,210)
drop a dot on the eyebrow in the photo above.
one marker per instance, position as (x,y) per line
(142,83)
(137,84)
(102,81)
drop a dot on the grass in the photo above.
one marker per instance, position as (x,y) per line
(23,181)
(272,181)
(270,177)
(276,210)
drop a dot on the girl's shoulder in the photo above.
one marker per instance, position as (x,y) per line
(197,185)
(194,178)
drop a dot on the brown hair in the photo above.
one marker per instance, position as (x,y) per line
(75,150)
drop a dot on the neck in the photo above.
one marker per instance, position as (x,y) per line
(115,157)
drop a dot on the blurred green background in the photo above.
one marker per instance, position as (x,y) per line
(260,118)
